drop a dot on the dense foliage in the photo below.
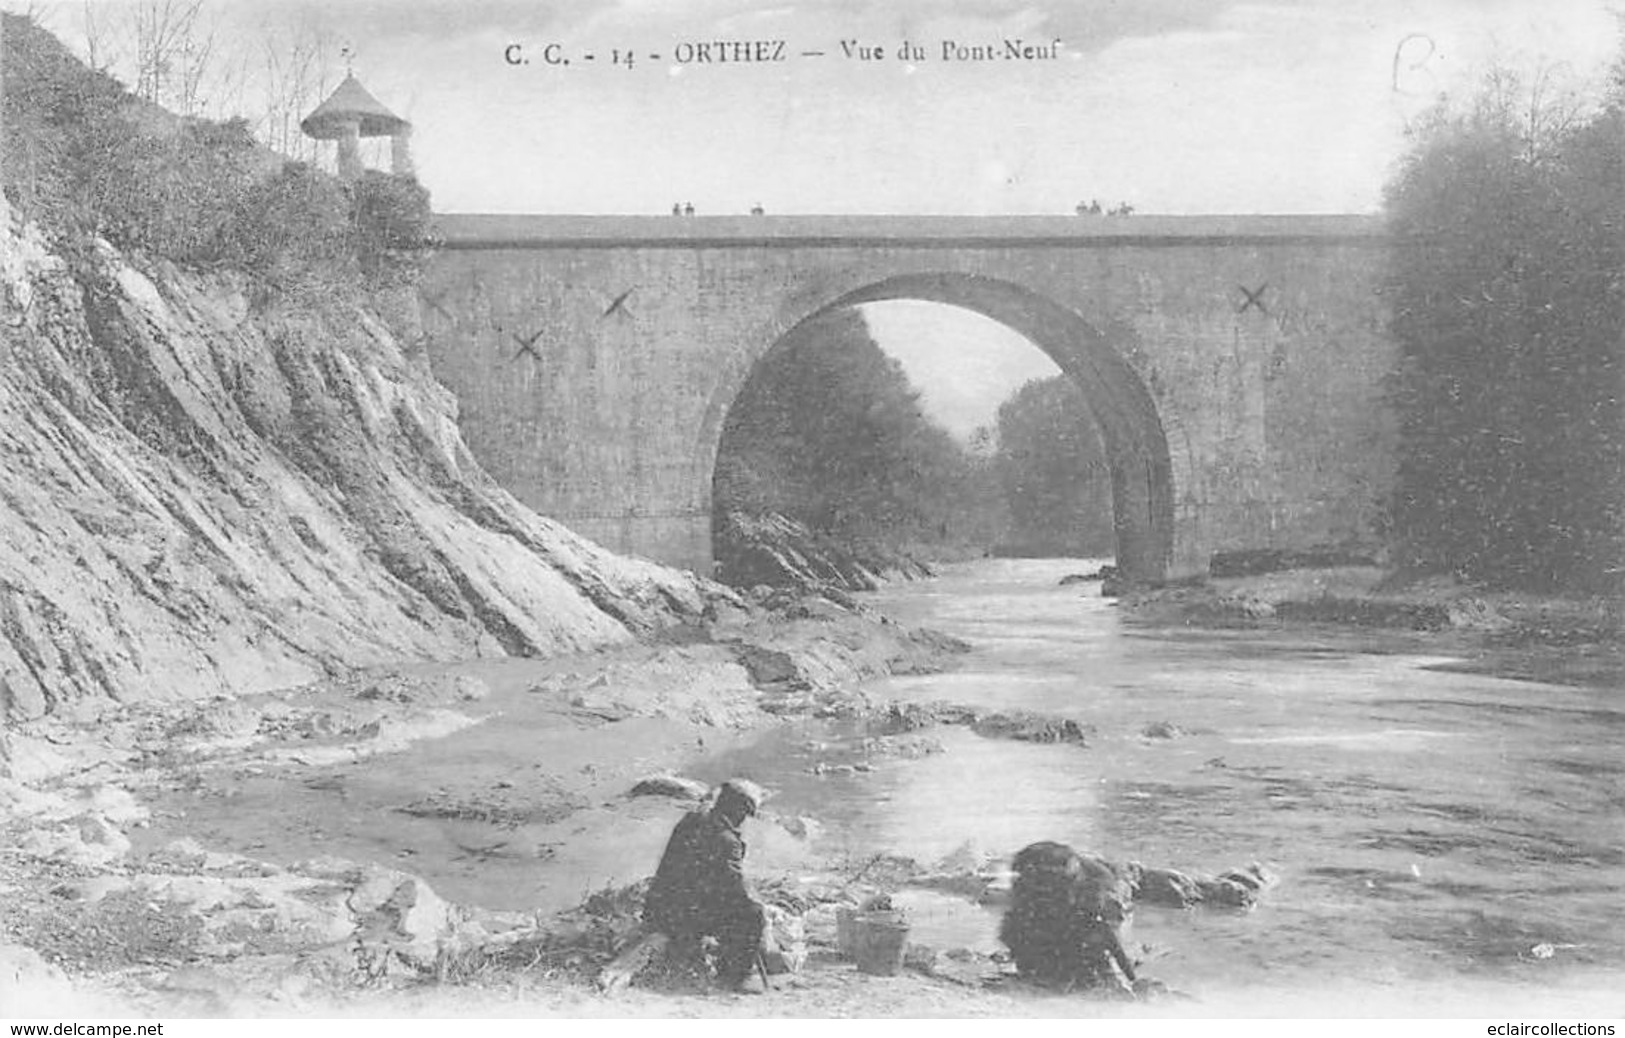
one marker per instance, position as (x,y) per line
(1507,298)
(1053,472)
(88,160)
(829,432)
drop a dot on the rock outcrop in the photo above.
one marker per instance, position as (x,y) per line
(206,492)
(776,551)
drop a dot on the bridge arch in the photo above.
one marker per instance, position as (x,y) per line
(1123,410)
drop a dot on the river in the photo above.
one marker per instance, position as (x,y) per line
(1444,842)
(1433,831)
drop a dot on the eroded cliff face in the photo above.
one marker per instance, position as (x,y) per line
(201,494)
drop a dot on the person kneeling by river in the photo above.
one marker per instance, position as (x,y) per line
(1066,911)
(699,889)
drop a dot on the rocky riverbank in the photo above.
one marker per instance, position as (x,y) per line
(208,492)
(255,592)
(1566,639)
(775,551)
(347,847)
(116,901)
(109,888)
(145,870)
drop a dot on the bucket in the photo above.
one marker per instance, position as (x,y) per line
(846,932)
(875,940)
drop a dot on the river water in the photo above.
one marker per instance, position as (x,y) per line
(1440,838)
(1446,843)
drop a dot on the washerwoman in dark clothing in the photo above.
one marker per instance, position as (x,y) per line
(699,890)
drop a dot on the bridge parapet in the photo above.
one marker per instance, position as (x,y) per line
(524,231)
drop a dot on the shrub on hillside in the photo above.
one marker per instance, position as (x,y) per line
(169,196)
(391,216)
(289,227)
(86,159)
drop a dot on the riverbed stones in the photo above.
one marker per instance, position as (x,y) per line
(801,827)
(1021,725)
(188,855)
(1247,606)
(785,949)
(1170,888)
(829,606)
(668,785)
(904,747)
(1167,888)
(1227,893)
(769,668)
(387,921)
(214,723)
(233,917)
(1024,726)
(909,717)
(937,644)
(1237,888)
(36,759)
(86,840)
(1252,875)
(397,913)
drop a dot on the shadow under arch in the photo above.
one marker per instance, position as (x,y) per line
(1135,445)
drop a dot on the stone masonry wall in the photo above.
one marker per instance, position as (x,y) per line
(593,373)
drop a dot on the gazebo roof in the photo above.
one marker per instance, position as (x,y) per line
(351,103)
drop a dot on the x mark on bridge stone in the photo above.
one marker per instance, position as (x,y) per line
(1255,297)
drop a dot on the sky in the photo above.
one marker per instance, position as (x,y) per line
(1174,106)
(964,364)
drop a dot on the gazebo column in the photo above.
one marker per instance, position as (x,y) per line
(349,140)
(400,152)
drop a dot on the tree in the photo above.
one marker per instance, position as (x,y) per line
(1507,306)
(185,56)
(166,50)
(298,65)
(1053,472)
(829,432)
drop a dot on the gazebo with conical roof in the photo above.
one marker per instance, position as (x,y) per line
(350,113)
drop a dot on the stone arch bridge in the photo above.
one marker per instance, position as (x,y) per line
(1234,365)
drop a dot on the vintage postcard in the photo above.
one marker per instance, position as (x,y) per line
(1097,508)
